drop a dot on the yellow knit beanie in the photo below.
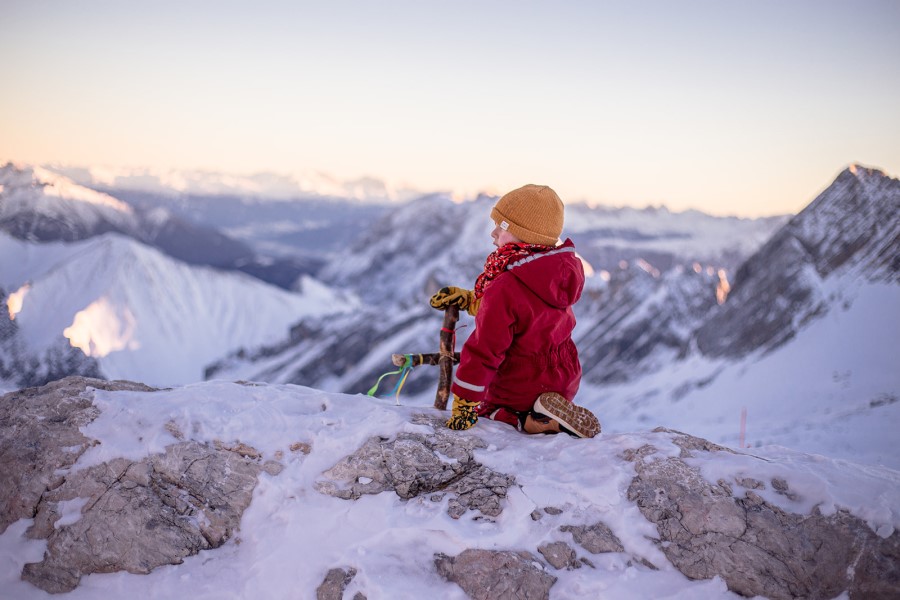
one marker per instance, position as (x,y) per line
(532,213)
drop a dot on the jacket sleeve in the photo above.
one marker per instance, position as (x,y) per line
(486,348)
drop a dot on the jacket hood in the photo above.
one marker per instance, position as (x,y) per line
(555,276)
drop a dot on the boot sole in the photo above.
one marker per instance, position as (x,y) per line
(575,419)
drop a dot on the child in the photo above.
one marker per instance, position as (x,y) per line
(520,365)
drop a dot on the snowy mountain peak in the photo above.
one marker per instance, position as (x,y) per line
(37,204)
(850,232)
(862,171)
(144,315)
(19,180)
(872,180)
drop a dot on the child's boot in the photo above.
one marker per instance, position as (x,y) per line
(574,420)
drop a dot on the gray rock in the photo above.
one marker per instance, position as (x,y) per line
(413,464)
(131,515)
(334,584)
(596,538)
(40,436)
(757,548)
(750,483)
(496,575)
(781,487)
(140,515)
(560,555)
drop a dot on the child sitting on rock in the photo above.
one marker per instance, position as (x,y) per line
(520,365)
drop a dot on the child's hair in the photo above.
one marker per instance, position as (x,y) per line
(532,213)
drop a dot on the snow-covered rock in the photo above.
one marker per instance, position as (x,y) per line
(296,492)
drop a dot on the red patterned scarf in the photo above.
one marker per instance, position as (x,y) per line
(498,260)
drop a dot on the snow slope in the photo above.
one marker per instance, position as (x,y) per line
(291,534)
(834,389)
(143,315)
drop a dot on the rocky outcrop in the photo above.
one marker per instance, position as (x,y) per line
(596,538)
(40,436)
(334,584)
(122,514)
(496,574)
(756,547)
(414,464)
(138,514)
(560,555)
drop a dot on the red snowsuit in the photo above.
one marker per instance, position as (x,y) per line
(522,344)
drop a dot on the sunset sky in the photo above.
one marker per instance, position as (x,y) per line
(731,107)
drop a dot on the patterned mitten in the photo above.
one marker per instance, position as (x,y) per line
(464,415)
(451,295)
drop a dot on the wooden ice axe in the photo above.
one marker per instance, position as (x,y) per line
(421,359)
(443,359)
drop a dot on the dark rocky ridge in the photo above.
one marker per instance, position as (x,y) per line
(853,228)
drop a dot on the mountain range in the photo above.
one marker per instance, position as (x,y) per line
(675,303)
(40,205)
(653,340)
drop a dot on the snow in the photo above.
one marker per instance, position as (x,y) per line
(291,534)
(21,262)
(64,188)
(69,511)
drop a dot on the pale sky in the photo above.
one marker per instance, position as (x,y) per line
(746,107)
